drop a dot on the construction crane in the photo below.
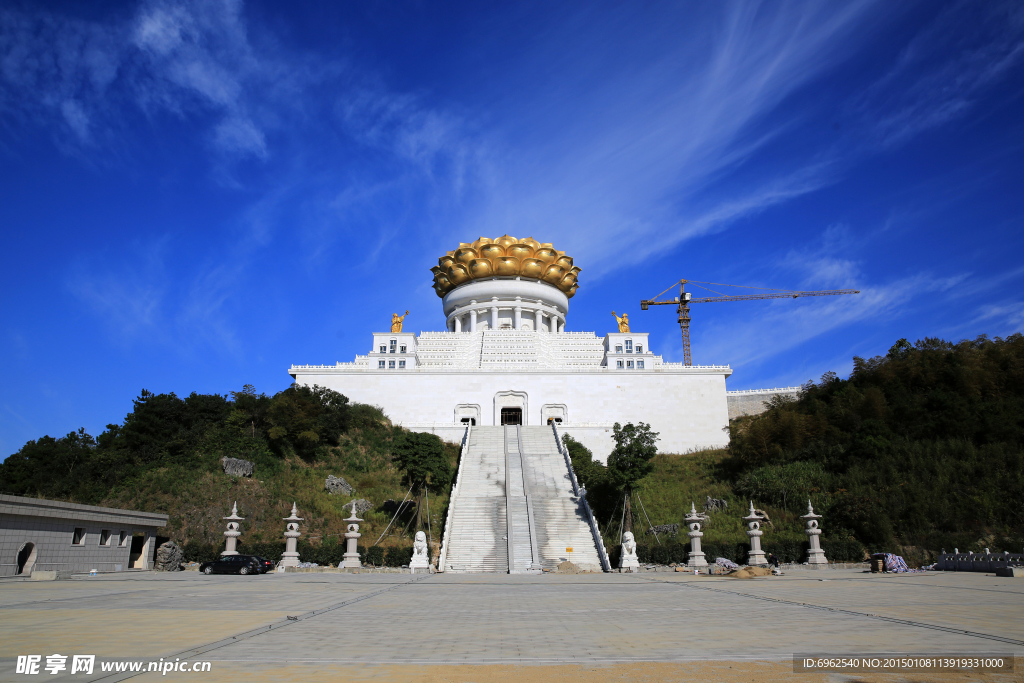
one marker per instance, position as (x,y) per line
(683,301)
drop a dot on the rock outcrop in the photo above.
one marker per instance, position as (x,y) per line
(336,485)
(236,467)
(358,506)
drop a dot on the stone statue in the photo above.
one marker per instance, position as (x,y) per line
(397,320)
(419,553)
(628,561)
(623,322)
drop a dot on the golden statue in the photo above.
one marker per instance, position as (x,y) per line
(623,322)
(397,320)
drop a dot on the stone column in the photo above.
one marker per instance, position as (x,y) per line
(756,556)
(696,559)
(351,557)
(518,318)
(815,555)
(232,534)
(540,316)
(561,326)
(290,557)
(472,319)
(494,312)
(458,323)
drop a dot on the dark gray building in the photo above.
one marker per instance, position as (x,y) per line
(48,535)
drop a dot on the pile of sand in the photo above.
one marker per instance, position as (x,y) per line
(568,567)
(749,572)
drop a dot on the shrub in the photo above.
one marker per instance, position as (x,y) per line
(374,556)
(397,557)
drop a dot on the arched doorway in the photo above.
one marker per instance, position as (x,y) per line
(26,558)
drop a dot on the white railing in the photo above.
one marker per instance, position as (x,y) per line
(451,501)
(582,495)
(779,390)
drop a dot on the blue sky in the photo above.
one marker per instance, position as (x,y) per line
(194,196)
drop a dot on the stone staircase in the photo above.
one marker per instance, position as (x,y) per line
(513,509)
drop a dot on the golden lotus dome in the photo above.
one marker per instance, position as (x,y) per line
(505,256)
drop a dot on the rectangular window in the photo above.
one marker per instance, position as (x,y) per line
(393,342)
(122,540)
(383,348)
(380,364)
(105,537)
(391,365)
(401,349)
(401,364)
(618,364)
(639,348)
(629,346)
(629,363)
(640,365)
(618,349)
(78,538)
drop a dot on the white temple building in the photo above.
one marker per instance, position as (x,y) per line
(505,358)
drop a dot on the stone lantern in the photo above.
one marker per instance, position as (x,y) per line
(290,557)
(232,534)
(351,557)
(815,555)
(756,556)
(693,520)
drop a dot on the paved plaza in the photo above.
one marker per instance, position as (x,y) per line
(477,627)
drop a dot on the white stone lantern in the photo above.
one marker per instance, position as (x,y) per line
(290,557)
(755,558)
(351,557)
(693,520)
(815,555)
(233,532)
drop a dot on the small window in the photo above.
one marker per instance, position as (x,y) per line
(556,420)
(629,346)
(391,365)
(618,349)
(122,540)
(401,349)
(618,364)
(640,365)
(629,363)
(383,348)
(639,348)
(401,365)
(105,537)
(78,538)
(469,421)
(393,343)
(380,364)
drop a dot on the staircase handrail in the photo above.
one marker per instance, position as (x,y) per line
(451,501)
(594,531)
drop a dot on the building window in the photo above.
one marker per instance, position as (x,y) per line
(640,365)
(383,348)
(380,364)
(78,538)
(618,349)
(401,365)
(391,365)
(629,363)
(393,342)
(618,364)
(105,537)
(629,346)
(401,349)
(469,421)
(639,348)
(122,540)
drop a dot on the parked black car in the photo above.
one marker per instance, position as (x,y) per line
(232,564)
(265,564)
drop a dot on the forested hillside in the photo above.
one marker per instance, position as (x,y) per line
(166,457)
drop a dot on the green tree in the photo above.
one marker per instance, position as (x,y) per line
(422,458)
(630,460)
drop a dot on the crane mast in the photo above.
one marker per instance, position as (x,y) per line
(683,301)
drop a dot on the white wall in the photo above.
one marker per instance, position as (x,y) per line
(687,407)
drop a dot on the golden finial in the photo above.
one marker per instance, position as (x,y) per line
(623,321)
(397,320)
